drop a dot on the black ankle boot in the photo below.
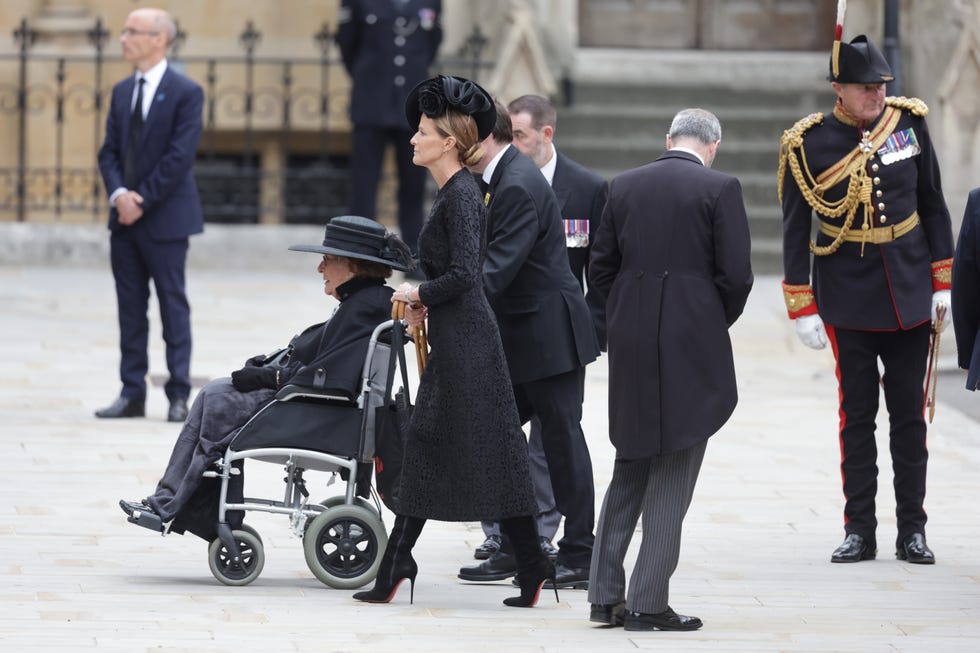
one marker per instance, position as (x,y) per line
(397,563)
(533,566)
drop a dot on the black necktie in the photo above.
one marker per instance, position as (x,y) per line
(130,180)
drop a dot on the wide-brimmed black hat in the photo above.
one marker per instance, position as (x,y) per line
(434,95)
(860,62)
(352,236)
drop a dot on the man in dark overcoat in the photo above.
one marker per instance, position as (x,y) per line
(387,47)
(672,259)
(966,292)
(881,266)
(581,195)
(548,338)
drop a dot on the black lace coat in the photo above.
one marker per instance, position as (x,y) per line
(466,456)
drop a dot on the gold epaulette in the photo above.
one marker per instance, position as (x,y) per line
(792,135)
(912,104)
(793,139)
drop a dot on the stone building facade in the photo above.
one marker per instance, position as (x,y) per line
(551,47)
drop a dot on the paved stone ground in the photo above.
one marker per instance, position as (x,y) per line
(754,565)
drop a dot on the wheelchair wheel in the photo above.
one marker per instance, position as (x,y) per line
(338,500)
(344,545)
(254,533)
(250,566)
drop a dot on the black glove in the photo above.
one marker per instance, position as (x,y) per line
(255,361)
(253,378)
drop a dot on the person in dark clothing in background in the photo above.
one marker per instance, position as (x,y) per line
(387,47)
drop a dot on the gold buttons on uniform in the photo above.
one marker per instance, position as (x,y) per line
(874,167)
(882,219)
(876,180)
(878,193)
(881,206)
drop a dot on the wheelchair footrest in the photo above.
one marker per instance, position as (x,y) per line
(147,519)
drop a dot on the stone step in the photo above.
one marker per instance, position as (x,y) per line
(627,122)
(617,155)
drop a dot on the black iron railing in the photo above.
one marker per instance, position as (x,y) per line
(271,147)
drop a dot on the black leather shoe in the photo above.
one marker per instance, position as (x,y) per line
(142,515)
(122,407)
(666,620)
(499,566)
(854,548)
(178,410)
(915,550)
(490,546)
(610,615)
(569,578)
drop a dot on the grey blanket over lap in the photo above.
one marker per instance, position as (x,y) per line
(215,417)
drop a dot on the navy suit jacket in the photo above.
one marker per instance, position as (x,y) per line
(581,195)
(966,291)
(544,322)
(171,133)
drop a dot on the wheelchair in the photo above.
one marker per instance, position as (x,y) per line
(304,430)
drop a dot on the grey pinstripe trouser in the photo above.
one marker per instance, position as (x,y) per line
(661,488)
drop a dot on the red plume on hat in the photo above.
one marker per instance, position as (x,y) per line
(838,33)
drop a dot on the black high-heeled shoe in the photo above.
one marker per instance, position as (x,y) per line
(531,582)
(387,585)
(397,563)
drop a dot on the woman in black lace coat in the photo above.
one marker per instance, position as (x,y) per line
(466,455)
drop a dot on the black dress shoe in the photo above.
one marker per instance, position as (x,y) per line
(915,550)
(490,546)
(610,615)
(129,507)
(569,578)
(122,407)
(666,620)
(854,548)
(142,515)
(499,566)
(178,410)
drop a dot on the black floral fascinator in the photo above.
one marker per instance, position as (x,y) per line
(433,96)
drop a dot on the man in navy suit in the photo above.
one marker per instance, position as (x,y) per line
(548,337)
(581,195)
(152,132)
(387,47)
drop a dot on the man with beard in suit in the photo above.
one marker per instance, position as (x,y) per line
(548,337)
(672,257)
(581,195)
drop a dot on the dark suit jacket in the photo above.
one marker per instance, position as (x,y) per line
(387,48)
(966,291)
(581,195)
(672,256)
(171,133)
(544,322)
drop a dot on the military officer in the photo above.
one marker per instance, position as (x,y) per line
(881,267)
(387,47)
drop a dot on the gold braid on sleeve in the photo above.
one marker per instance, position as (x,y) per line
(791,155)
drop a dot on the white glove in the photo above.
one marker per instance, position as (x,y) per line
(811,332)
(942,297)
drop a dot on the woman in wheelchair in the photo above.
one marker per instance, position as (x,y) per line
(358,255)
